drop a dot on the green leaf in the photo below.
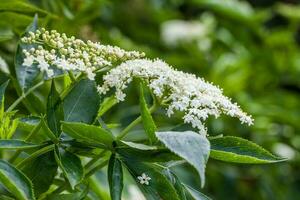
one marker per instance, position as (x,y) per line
(16,182)
(141,152)
(180,189)
(48,132)
(71,166)
(82,103)
(17,144)
(88,133)
(6,34)
(239,150)
(159,186)
(20,7)
(191,146)
(26,75)
(115,178)
(107,104)
(148,122)
(4,197)
(41,171)
(55,112)
(193,194)
(27,123)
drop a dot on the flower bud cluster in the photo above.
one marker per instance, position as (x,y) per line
(55,50)
(184,92)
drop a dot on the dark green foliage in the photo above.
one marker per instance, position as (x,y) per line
(41,171)
(115,177)
(55,112)
(82,103)
(71,166)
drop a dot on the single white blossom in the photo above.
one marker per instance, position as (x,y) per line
(180,91)
(28,61)
(144,179)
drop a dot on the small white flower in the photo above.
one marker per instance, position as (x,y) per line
(90,74)
(28,61)
(144,179)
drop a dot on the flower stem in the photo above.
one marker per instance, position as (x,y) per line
(23,96)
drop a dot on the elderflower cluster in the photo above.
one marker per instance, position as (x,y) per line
(54,50)
(184,92)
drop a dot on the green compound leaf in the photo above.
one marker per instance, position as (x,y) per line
(82,103)
(17,144)
(88,133)
(16,182)
(148,122)
(238,150)
(55,112)
(189,145)
(159,186)
(71,166)
(115,178)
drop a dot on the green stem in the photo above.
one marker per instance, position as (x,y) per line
(23,96)
(35,155)
(95,159)
(134,123)
(72,77)
(98,167)
(32,133)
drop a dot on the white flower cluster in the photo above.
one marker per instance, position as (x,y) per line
(184,92)
(56,50)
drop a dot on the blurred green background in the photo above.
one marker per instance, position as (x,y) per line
(251,49)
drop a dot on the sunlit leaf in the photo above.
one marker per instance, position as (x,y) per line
(148,122)
(191,146)
(16,182)
(239,150)
(88,133)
